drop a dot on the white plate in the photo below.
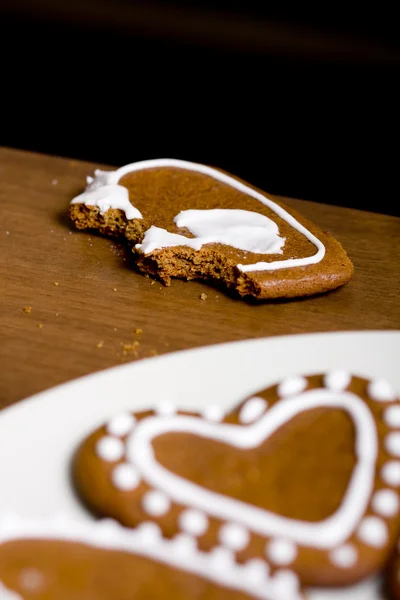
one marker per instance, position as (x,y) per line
(39,435)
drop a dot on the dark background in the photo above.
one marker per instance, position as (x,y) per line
(298,102)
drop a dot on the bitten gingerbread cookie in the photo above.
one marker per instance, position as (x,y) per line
(59,559)
(190,221)
(303,475)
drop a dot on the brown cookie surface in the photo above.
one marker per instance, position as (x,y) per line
(304,475)
(61,560)
(193,221)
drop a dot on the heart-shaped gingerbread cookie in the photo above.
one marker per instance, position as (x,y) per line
(189,220)
(303,475)
(60,559)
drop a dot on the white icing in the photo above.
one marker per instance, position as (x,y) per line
(165,408)
(241,229)
(385,503)
(291,386)
(149,532)
(381,391)
(213,412)
(392,443)
(337,380)
(110,448)
(390,473)
(106,197)
(373,531)
(252,409)
(286,582)
(222,557)
(146,540)
(391,416)
(185,543)
(281,552)
(345,556)
(156,503)
(121,425)
(120,200)
(234,536)
(328,533)
(125,477)
(194,522)
(256,570)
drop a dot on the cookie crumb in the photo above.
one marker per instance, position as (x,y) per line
(138,331)
(152,282)
(7,233)
(27,310)
(55,283)
(100,344)
(115,290)
(130,347)
(203,296)
(39,325)
(54,182)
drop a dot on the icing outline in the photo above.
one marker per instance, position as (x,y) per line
(325,534)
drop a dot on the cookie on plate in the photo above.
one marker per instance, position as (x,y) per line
(189,220)
(304,475)
(59,559)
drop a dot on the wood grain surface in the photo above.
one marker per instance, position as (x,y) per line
(71,303)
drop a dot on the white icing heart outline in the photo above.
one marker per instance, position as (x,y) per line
(324,534)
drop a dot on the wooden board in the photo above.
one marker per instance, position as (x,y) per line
(86,300)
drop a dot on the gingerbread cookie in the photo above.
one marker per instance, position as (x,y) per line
(190,221)
(57,559)
(304,475)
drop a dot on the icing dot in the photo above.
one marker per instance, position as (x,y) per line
(257,571)
(337,380)
(344,556)
(125,477)
(149,532)
(281,552)
(234,536)
(392,416)
(386,503)
(110,448)
(106,530)
(390,473)
(392,443)
(194,522)
(291,386)
(165,409)
(285,583)
(184,544)
(252,409)
(156,503)
(373,532)
(381,391)
(121,425)
(221,558)
(213,412)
